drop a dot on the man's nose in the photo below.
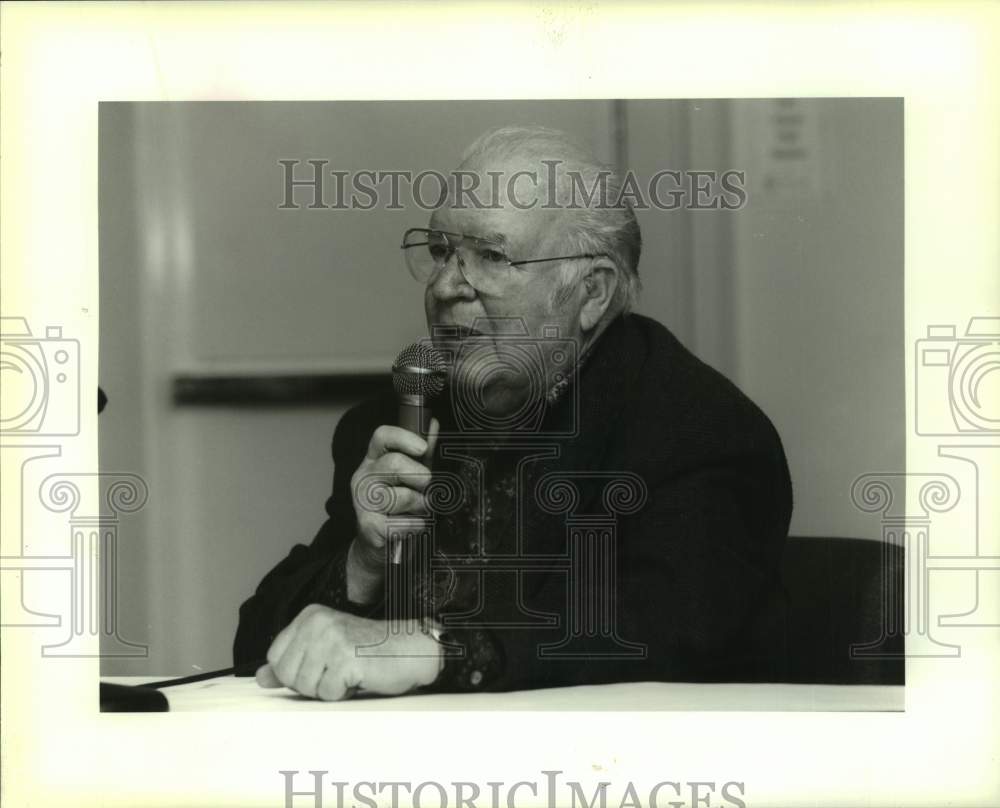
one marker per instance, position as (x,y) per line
(448,283)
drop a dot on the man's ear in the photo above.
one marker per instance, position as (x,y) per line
(599,286)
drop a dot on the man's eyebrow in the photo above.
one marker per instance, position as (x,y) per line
(494,236)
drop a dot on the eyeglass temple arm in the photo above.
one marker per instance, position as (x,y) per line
(556,258)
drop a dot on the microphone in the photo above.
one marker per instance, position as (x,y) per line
(418,376)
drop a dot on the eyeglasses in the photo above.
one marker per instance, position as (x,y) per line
(482,262)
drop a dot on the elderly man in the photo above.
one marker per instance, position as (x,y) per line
(591,502)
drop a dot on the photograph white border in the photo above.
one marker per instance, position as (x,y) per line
(60,60)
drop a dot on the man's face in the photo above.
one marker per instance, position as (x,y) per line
(501,378)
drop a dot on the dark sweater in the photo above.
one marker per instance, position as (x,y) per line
(664,568)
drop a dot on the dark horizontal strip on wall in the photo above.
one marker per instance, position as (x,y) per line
(287,390)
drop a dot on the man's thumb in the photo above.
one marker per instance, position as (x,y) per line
(265,677)
(432,439)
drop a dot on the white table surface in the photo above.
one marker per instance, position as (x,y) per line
(242,694)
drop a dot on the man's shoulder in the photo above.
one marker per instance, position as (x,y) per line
(673,374)
(687,397)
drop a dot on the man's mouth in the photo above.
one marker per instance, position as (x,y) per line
(457,333)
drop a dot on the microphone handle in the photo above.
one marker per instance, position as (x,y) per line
(414,415)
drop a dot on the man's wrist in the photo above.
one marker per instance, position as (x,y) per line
(437,634)
(363,583)
(434,636)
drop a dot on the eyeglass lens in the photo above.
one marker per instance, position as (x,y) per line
(482,263)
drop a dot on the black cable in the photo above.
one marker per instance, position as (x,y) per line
(246,669)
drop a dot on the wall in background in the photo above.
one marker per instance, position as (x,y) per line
(817,290)
(798,296)
(801,304)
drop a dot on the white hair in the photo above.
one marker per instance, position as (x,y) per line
(600,225)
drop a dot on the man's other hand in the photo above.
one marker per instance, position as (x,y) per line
(332,655)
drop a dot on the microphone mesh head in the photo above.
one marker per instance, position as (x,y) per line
(419,370)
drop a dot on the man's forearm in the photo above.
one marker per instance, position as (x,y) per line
(363,585)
